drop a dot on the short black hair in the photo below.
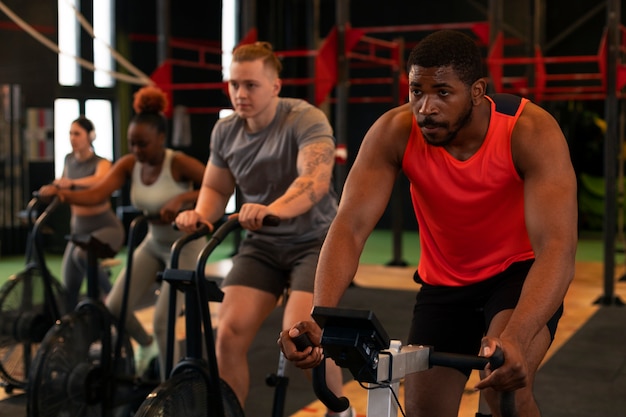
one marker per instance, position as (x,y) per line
(449,48)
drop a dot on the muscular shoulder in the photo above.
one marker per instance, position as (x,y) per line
(303,121)
(390,133)
(225,126)
(301,112)
(399,120)
(536,136)
(297,106)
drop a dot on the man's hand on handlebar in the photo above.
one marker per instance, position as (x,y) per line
(311,355)
(251,215)
(512,374)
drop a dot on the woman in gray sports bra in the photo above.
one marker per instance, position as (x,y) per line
(82,169)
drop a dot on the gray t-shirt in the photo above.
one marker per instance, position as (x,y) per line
(264,165)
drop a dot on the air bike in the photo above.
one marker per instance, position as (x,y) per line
(356,340)
(85,365)
(30,302)
(193,387)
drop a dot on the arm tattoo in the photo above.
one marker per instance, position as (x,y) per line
(302,186)
(317,158)
(317,154)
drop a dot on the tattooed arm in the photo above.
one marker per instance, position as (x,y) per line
(315,167)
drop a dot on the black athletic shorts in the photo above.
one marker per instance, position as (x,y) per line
(454,319)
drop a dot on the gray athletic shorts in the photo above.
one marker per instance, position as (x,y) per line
(272,268)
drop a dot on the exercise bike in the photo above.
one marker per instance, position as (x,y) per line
(194,388)
(85,365)
(356,340)
(30,302)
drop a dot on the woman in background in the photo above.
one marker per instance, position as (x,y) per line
(82,169)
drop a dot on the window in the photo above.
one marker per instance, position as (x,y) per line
(102,18)
(229,33)
(67,110)
(68,43)
(100,112)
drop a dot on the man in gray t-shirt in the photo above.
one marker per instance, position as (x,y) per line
(264,165)
(279,152)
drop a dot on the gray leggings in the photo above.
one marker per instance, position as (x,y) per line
(105,227)
(151,257)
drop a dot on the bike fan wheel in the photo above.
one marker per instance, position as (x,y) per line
(185,394)
(67,378)
(25,317)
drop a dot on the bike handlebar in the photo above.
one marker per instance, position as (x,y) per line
(220,233)
(324,394)
(339,404)
(455,360)
(216,238)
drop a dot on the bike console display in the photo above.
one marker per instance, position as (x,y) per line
(353,339)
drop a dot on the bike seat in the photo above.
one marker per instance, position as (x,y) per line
(92,244)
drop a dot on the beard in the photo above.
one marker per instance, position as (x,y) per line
(462,121)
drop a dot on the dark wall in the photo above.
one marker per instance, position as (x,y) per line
(25,61)
(199,23)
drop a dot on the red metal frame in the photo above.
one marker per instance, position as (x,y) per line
(549,80)
(480,29)
(362,50)
(359,49)
(549,84)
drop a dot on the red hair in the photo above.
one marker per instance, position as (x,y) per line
(149,99)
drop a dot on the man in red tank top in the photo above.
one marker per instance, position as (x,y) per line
(494,193)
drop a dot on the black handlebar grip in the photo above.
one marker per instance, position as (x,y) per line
(497,359)
(302,341)
(456,360)
(271,220)
(507,399)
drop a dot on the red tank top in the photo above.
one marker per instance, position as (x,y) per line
(470,213)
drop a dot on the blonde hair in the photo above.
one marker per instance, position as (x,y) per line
(258,50)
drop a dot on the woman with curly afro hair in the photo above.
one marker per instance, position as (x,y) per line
(162,183)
